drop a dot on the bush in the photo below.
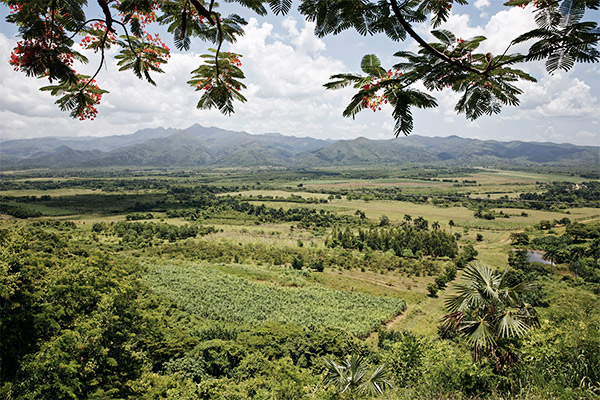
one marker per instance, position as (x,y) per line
(432,288)
(405,357)
(317,266)
(298,262)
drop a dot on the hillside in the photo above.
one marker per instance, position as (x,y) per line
(199,146)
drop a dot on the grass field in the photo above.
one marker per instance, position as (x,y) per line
(245,283)
(225,293)
(178,281)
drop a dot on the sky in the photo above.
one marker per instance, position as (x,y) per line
(286,67)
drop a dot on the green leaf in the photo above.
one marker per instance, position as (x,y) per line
(280,6)
(370,64)
(480,334)
(445,36)
(511,325)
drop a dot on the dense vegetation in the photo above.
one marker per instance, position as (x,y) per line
(232,290)
(407,241)
(211,293)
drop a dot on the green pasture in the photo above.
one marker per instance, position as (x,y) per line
(392,284)
(49,192)
(88,206)
(491,176)
(340,184)
(278,193)
(50,211)
(395,210)
(214,292)
(277,238)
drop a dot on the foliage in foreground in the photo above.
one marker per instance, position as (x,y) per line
(486,309)
(81,323)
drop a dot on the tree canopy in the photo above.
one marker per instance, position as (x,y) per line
(485,309)
(53,31)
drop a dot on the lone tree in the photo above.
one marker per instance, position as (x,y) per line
(48,32)
(486,310)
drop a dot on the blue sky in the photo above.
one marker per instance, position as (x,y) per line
(286,66)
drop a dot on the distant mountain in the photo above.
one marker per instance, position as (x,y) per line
(198,146)
(180,149)
(365,151)
(448,150)
(31,148)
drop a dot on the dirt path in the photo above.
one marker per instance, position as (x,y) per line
(373,336)
(374,282)
(398,318)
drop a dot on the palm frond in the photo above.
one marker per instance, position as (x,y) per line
(511,325)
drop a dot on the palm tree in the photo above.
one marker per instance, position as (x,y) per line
(352,376)
(485,310)
(552,254)
(435,226)
(451,223)
(421,223)
(575,255)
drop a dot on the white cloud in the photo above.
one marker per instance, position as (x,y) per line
(304,41)
(588,138)
(557,96)
(556,134)
(282,70)
(500,29)
(285,93)
(481,4)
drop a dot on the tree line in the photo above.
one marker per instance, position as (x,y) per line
(405,241)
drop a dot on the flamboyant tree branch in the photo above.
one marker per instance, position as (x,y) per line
(408,28)
(203,11)
(210,14)
(524,57)
(102,44)
(106,10)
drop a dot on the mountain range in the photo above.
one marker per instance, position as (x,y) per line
(198,146)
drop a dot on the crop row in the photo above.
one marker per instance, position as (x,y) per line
(209,292)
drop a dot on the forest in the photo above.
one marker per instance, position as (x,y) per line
(326,284)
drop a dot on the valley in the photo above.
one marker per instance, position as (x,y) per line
(214,283)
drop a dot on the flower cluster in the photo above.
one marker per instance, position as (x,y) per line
(144,18)
(89,110)
(208,84)
(232,86)
(157,51)
(27,53)
(15,8)
(205,85)
(444,5)
(195,16)
(374,101)
(92,40)
(234,59)
(537,3)
(229,69)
